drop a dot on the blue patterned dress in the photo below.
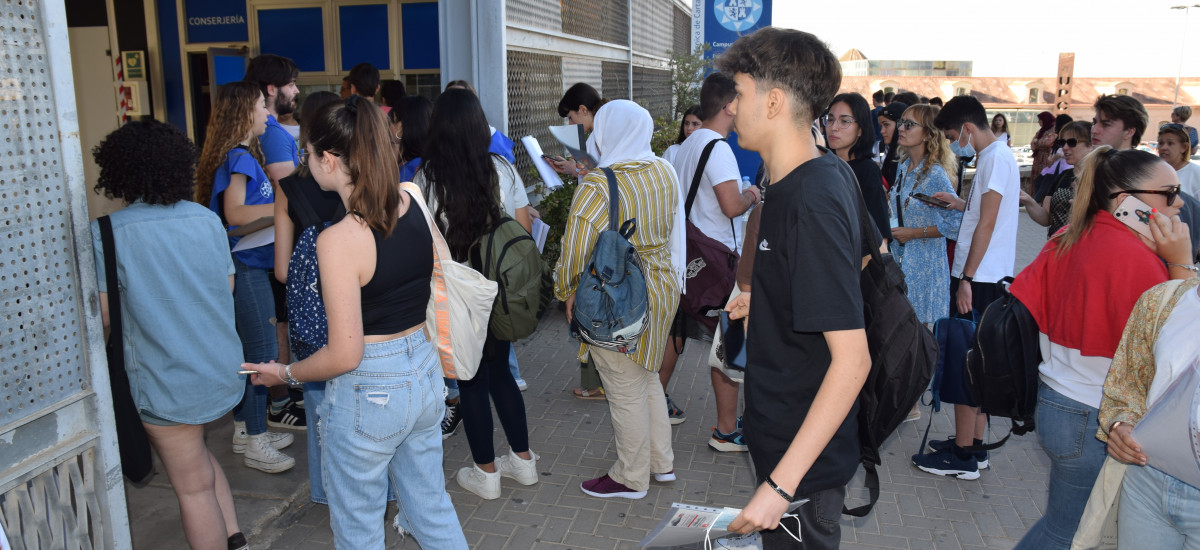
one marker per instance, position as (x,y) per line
(924,261)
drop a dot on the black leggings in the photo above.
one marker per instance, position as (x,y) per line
(493,380)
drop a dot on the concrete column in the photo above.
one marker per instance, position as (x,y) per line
(472,48)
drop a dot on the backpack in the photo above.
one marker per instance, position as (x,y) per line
(903,356)
(1002,366)
(509,256)
(611,309)
(711,266)
(308,329)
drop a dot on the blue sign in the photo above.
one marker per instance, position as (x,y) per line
(719,23)
(216,21)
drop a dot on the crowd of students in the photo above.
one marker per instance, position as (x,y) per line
(370,391)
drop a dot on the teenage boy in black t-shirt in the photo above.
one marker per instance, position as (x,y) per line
(807,350)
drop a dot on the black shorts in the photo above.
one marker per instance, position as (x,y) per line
(685,327)
(982,295)
(279,291)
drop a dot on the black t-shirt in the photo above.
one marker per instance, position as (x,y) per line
(870,180)
(806,282)
(327,205)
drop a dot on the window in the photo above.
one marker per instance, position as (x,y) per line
(1122,91)
(960,91)
(889,90)
(1035,95)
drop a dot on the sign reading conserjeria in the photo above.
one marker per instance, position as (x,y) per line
(216,21)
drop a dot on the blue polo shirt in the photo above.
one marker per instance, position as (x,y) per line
(258,191)
(277,144)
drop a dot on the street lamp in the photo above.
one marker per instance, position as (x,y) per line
(1183,45)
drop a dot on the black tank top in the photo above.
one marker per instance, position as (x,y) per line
(396,297)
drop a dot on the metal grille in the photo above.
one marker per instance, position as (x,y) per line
(652,89)
(58,508)
(539,14)
(615,79)
(605,20)
(41,337)
(681,42)
(652,27)
(582,69)
(534,89)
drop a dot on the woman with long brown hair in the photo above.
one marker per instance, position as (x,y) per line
(231,181)
(381,419)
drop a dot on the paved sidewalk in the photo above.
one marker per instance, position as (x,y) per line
(574,439)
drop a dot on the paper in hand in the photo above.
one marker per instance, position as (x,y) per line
(549,177)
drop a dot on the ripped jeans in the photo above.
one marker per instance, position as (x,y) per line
(381,422)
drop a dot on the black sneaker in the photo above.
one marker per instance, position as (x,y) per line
(981,457)
(452,419)
(237,541)
(946,463)
(290,417)
(674,413)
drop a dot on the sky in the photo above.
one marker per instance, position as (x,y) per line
(1110,38)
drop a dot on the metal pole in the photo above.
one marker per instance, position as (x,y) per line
(1182,49)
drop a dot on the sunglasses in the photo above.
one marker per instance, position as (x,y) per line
(1058,143)
(1171,194)
(907,124)
(1171,126)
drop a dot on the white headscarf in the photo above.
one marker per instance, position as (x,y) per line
(622,130)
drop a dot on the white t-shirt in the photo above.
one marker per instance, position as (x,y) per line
(706,212)
(669,154)
(1189,179)
(1003,137)
(512,189)
(1072,374)
(996,171)
(1177,346)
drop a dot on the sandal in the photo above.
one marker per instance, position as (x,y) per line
(596,394)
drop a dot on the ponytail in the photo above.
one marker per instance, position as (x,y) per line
(1104,171)
(356,131)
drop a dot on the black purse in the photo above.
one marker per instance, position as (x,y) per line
(136,462)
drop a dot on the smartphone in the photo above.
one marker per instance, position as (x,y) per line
(1136,214)
(930,200)
(733,336)
(553,158)
(248,372)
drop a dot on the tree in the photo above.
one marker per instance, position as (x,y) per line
(687,72)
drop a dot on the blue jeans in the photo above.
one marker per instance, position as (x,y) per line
(1067,431)
(1164,511)
(512,363)
(253,307)
(451,388)
(381,422)
(314,396)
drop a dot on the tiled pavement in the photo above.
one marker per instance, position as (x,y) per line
(574,439)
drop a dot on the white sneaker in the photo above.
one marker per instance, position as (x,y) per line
(515,467)
(522,385)
(483,484)
(665,477)
(751,541)
(241,438)
(261,456)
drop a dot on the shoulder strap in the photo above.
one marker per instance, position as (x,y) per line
(304,208)
(899,186)
(116,353)
(691,197)
(614,199)
(864,222)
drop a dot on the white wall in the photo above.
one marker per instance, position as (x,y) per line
(95,97)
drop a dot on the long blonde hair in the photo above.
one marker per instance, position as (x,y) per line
(937,148)
(1105,171)
(229,124)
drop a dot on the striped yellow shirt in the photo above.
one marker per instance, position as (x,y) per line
(650,194)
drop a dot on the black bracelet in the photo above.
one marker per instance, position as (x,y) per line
(781,492)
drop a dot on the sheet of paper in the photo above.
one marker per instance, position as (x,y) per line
(571,136)
(539,233)
(688,524)
(265,221)
(550,178)
(262,237)
(1174,419)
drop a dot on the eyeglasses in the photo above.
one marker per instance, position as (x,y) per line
(303,154)
(907,124)
(1171,126)
(1072,142)
(841,123)
(1171,194)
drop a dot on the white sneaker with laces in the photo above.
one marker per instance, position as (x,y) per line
(261,456)
(515,467)
(483,484)
(241,438)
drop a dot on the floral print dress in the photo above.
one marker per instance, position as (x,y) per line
(924,261)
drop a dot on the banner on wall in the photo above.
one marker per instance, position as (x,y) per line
(719,23)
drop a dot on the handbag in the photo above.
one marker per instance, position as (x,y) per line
(134,445)
(711,266)
(460,304)
(1098,526)
(717,353)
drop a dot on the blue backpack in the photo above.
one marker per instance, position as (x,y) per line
(308,329)
(611,309)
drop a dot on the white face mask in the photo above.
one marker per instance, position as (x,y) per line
(962,150)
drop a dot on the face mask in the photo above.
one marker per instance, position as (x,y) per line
(962,150)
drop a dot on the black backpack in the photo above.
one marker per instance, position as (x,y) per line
(903,356)
(1002,366)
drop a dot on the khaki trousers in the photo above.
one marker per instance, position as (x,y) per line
(638,408)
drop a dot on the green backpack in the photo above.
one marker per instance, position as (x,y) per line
(509,256)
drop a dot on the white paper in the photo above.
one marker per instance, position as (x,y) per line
(262,237)
(540,231)
(688,524)
(550,178)
(1174,419)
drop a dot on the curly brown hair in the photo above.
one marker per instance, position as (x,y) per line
(151,161)
(228,126)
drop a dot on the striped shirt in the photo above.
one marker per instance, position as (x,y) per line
(649,193)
